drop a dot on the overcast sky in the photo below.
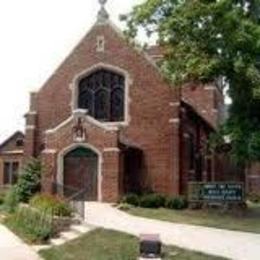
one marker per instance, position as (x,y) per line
(36,36)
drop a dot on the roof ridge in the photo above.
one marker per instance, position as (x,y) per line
(7,140)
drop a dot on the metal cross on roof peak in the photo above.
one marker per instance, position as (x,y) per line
(102,2)
(103,15)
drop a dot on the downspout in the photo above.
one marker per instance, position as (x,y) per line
(180,143)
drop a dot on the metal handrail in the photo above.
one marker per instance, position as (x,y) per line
(77,204)
(81,203)
(77,194)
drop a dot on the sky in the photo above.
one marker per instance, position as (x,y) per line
(35,37)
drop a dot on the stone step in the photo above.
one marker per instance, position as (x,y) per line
(58,241)
(81,228)
(69,235)
(38,248)
(74,232)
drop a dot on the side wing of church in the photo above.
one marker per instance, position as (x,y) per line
(11,159)
(107,122)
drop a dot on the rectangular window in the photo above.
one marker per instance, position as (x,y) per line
(7,167)
(15,172)
(11,170)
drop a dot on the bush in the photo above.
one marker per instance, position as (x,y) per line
(31,225)
(125,206)
(152,201)
(51,204)
(176,203)
(254,197)
(2,196)
(29,183)
(131,199)
(11,200)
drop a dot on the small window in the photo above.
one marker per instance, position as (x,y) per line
(11,171)
(19,142)
(15,171)
(100,43)
(42,147)
(7,169)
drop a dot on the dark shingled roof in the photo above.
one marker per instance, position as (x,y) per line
(192,110)
(9,139)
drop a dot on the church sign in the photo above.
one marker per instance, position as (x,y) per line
(216,192)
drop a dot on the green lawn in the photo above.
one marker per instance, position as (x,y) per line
(110,245)
(249,221)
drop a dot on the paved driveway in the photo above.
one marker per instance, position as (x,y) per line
(12,248)
(229,244)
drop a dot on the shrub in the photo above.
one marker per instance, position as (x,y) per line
(29,183)
(152,201)
(33,226)
(125,206)
(51,204)
(11,200)
(2,196)
(176,203)
(132,199)
(254,197)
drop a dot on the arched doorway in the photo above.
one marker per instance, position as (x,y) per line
(80,173)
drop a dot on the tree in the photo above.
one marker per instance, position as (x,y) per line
(206,40)
(29,183)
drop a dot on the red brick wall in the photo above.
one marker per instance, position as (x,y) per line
(226,170)
(151,110)
(253,179)
(8,153)
(193,125)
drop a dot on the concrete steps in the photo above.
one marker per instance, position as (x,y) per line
(57,241)
(74,232)
(82,228)
(38,248)
(69,235)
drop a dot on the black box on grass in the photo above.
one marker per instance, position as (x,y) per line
(150,245)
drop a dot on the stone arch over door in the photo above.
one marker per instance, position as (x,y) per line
(79,169)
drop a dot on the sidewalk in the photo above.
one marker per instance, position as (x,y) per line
(229,244)
(12,248)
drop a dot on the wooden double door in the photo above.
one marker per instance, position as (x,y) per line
(80,174)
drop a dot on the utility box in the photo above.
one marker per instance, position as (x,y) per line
(150,246)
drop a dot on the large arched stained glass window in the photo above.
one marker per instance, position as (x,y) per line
(117,102)
(102,105)
(103,94)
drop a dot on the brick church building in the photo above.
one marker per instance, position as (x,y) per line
(108,121)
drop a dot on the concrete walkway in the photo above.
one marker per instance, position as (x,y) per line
(229,244)
(12,248)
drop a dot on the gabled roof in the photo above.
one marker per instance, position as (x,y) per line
(193,111)
(17,134)
(103,19)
